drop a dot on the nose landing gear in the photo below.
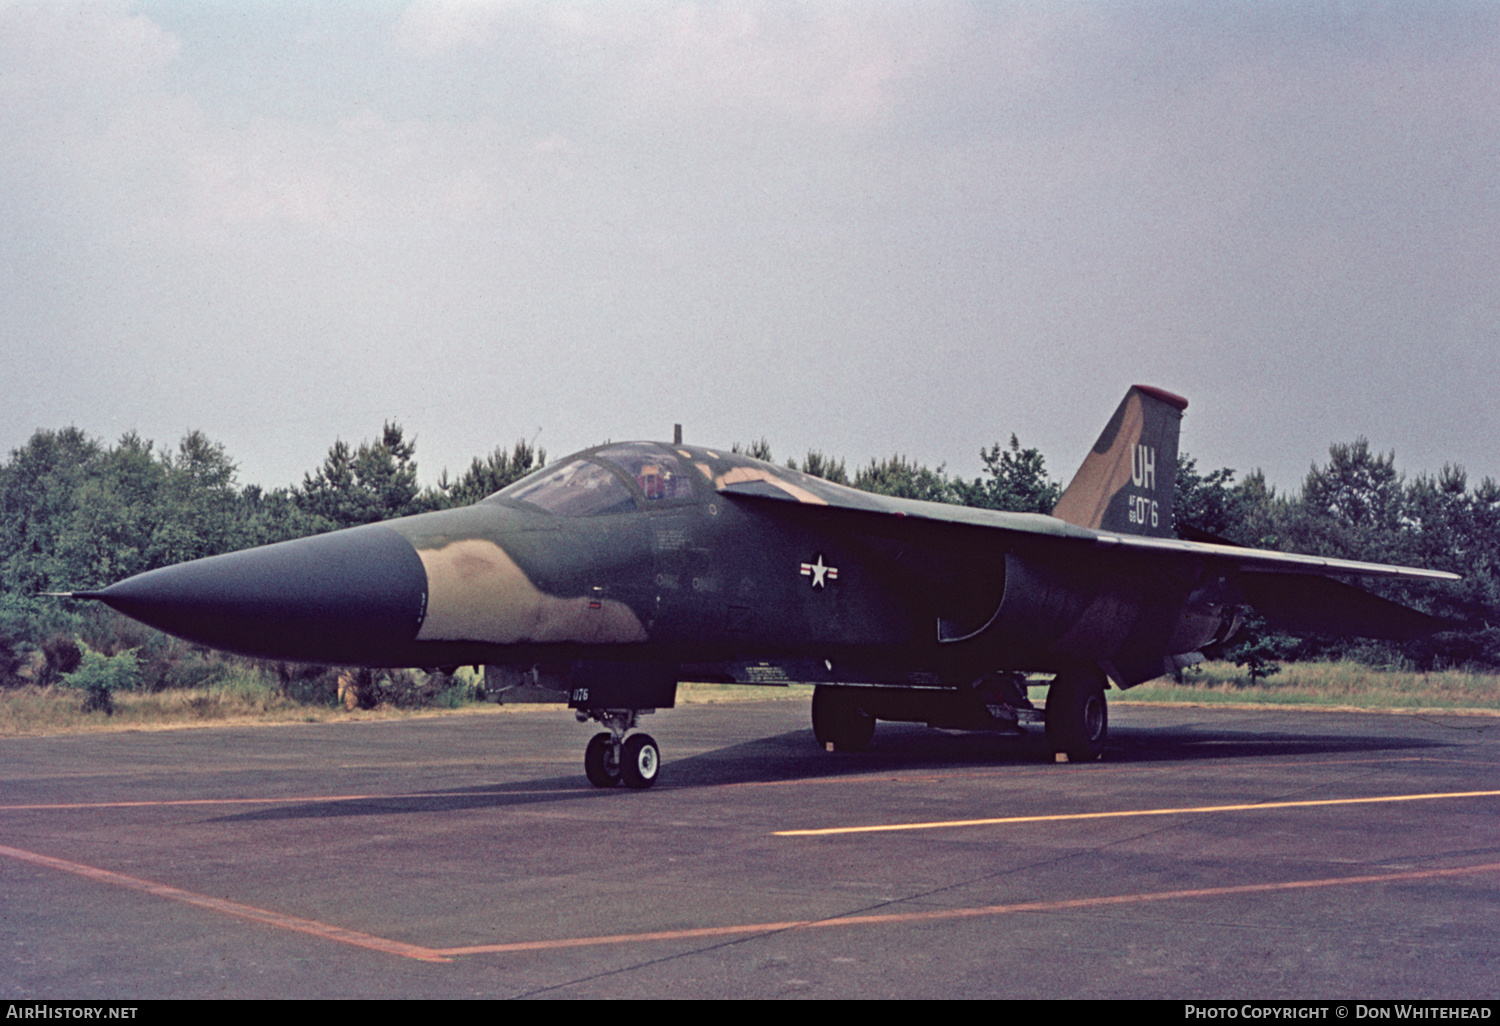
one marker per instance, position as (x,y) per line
(612,759)
(601,761)
(639,761)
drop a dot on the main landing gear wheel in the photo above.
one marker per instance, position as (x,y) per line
(839,722)
(639,761)
(600,763)
(1077,718)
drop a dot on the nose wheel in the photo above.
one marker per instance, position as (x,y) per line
(601,761)
(639,761)
(612,759)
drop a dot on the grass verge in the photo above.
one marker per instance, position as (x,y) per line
(31,711)
(1340,685)
(34,711)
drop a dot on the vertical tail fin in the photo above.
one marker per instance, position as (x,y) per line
(1128,481)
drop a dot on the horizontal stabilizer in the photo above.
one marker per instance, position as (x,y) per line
(1304,602)
(1188,532)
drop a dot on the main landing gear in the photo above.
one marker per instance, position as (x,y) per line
(612,759)
(840,721)
(1077,718)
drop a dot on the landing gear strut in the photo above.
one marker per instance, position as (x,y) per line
(1077,718)
(612,758)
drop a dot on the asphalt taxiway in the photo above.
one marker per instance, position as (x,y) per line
(1212,854)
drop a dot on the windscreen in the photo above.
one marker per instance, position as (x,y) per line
(659,475)
(578,488)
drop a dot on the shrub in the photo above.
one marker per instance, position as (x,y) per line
(11,661)
(62,656)
(307,683)
(101,675)
(110,673)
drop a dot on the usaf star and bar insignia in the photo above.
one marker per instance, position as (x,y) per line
(820,572)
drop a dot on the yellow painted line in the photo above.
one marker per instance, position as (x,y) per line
(1010,771)
(1064,905)
(1128,813)
(233,908)
(800,782)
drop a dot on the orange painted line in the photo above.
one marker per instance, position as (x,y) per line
(964,913)
(233,908)
(275,801)
(1127,814)
(426,954)
(183,801)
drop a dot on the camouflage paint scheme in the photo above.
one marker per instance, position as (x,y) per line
(648,563)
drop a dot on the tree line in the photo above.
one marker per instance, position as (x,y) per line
(77,514)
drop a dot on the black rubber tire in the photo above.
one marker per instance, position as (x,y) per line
(838,719)
(599,761)
(1077,715)
(640,761)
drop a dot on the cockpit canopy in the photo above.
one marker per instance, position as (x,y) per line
(615,479)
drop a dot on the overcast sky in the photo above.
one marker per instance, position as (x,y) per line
(869,228)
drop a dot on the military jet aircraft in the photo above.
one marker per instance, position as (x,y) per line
(620,571)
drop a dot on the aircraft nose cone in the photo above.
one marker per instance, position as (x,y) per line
(355,596)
